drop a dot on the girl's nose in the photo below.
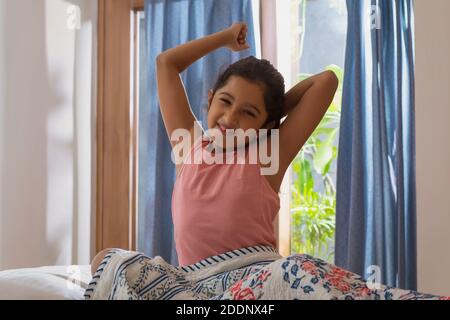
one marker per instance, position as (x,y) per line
(229,124)
(230,120)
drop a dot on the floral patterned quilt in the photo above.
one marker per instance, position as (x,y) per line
(257,272)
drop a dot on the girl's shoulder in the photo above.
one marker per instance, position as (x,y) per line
(187,147)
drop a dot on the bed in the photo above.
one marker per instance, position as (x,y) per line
(251,273)
(247,273)
(45,283)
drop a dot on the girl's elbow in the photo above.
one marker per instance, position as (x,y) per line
(331,81)
(332,78)
(162,57)
(164,62)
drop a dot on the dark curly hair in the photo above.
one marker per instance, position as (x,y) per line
(266,75)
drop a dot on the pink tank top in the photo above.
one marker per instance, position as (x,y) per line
(221,207)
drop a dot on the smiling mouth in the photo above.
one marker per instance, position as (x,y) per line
(223,129)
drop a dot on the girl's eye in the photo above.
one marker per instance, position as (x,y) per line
(247,112)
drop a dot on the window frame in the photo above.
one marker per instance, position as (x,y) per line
(116,177)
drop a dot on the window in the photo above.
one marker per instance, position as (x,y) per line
(316,42)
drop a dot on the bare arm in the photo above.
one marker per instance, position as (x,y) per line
(174,104)
(183,56)
(305,105)
(295,94)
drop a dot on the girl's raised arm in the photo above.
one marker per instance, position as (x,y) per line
(305,106)
(174,103)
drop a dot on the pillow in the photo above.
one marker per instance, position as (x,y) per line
(45,283)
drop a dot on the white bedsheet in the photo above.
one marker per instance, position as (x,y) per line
(45,283)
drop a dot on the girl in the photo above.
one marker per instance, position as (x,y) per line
(217,208)
(248,95)
(223,212)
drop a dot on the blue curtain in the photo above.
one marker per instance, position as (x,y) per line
(169,23)
(376,208)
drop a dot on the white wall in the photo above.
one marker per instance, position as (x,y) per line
(433,144)
(47,72)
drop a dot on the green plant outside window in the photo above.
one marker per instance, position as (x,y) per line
(313,210)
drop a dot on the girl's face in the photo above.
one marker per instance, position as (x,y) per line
(237,105)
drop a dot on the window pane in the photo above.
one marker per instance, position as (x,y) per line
(321,27)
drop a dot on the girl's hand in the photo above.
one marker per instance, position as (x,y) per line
(237,35)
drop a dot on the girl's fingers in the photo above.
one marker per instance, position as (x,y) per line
(241,38)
